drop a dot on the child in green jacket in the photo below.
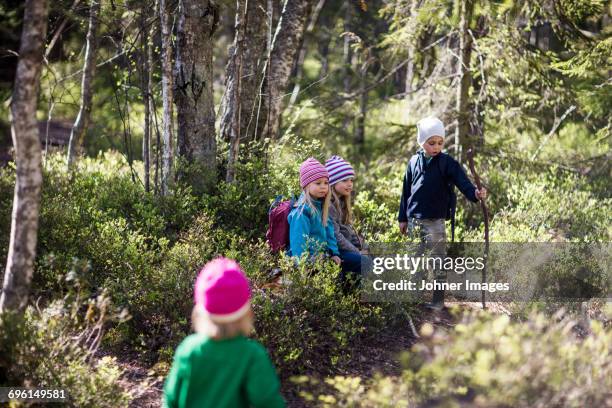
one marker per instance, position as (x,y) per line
(219,366)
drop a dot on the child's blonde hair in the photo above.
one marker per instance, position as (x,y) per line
(203,324)
(343,206)
(307,200)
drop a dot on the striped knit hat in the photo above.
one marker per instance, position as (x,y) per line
(310,171)
(338,169)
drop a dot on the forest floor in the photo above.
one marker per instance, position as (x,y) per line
(378,355)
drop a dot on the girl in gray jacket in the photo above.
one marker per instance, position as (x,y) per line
(351,246)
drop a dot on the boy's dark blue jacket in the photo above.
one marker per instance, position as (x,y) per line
(425,193)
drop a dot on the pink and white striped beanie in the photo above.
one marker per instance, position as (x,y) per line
(311,170)
(338,169)
(222,290)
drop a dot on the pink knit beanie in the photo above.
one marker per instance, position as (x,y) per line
(222,290)
(310,171)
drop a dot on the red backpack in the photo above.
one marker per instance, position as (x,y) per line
(277,235)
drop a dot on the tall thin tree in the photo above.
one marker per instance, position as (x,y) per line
(363,109)
(411,48)
(243,77)
(24,130)
(146,89)
(347,54)
(466,9)
(197,23)
(232,104)
(167,99)
(285,47)
(299,63)
(81,123)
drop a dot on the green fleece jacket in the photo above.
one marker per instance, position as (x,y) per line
(236,372)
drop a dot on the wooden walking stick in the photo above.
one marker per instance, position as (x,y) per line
(485,213)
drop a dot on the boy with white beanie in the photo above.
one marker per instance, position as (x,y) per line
(428,193)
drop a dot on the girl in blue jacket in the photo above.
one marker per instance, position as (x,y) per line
(311,230)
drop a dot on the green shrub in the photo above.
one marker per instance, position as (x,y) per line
(547,206)
(309,323)
(56,347)
(490,361)
(375,220)
(242,206)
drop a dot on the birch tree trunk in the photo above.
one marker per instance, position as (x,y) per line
(244,74)
(363,110)
(323,47)
(299,63)
(167,98)
(232,104)
(412,13)
(24,130)
(347,53)
(462,141)
(285,45)
(146,90)
(194,90)
(77,136)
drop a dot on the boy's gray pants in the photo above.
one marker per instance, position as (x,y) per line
(432,235)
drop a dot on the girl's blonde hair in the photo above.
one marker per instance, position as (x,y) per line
(343,206)
(307,201)
(202,324)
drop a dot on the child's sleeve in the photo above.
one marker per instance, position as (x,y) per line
(299,230)
(461,180)
(402,217)
(175,381)
(343,243)
(263,386)
(332,243)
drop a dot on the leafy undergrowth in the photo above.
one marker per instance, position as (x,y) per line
(488,361)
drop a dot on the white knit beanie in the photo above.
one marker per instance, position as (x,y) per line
(428,127)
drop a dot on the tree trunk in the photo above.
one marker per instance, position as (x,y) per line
(287,38)
(412,12)
(297,77)
(24,130)
(347,50)
(60,29)
(409,72)
(462,140)
(146,89)
(299,63)
(77,136)
(167,98)
(363,109)
(244,73)
(194,90)
(348,60)
(232,115)
(323,47)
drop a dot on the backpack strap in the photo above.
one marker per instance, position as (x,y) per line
(413,164)
(277,200)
